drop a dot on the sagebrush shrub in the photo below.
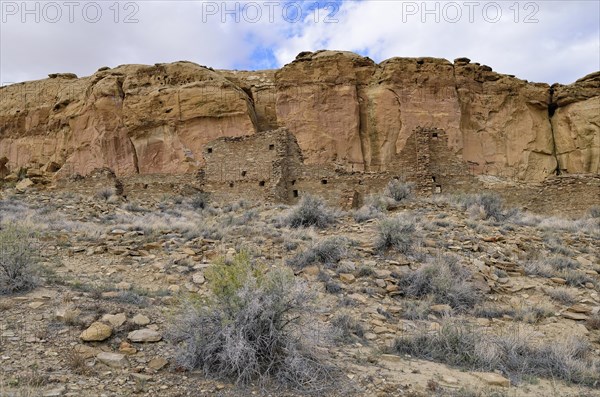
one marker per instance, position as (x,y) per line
(347,329)
(327,251)
(105,194)
(594,211)
(252,330)
(395,233)
(492,205)
(563,263)
(399,189)
(18,259)
(539,268)
(200,201)
(486,206)
(445,281)
(311,211)
(367,212)
(563,295)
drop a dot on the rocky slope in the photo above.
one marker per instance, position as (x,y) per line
(112,274)
(342,107)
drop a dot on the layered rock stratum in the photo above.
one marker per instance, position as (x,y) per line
(342,107)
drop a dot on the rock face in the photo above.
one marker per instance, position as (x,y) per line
(576,125)
(132,119)
(343,108)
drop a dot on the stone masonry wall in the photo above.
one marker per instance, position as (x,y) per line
(270,166)
(256,166)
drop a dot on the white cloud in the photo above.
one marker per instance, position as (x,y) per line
(562,46)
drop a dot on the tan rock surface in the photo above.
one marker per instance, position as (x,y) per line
(342,107)
(132,119)
(96,332)
(576,125)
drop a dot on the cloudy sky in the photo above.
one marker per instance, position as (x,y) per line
(545,41)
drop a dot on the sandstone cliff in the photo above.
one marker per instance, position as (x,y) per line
(343,108)
(133,119)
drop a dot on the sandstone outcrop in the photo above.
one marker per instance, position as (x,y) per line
(132,119)
(576,125)
(343,109)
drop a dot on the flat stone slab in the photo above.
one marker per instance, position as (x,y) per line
(144,335)
(115,360)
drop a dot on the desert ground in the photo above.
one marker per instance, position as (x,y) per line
(168,292)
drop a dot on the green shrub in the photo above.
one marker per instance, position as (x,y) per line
(18,260)
(311,211)
(252,330)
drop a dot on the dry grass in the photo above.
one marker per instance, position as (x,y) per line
(515,354)
(18,259)
(77,363)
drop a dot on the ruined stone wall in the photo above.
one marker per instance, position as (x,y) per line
(256,166)
(339,187)
(428,162)
(270,165)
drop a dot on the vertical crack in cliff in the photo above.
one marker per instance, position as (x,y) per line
(135,156)
(459,99)
(179,106)
(392,149)
(552,106)
(362,129)
(120,90)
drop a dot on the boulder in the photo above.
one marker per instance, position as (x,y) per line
(96,332)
